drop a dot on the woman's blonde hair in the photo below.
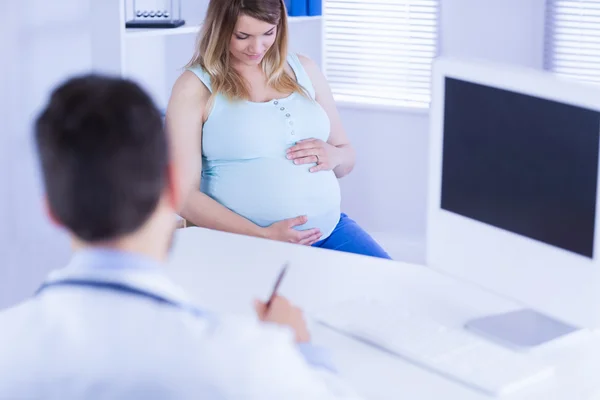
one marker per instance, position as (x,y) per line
(212,49)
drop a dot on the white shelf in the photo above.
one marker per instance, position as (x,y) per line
(193,29)
(292,20)
(147,32)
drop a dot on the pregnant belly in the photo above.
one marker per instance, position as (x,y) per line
(268,190)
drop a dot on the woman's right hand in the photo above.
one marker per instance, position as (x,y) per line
(284,231)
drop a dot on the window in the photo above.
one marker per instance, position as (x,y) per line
(381,51)
(573,39)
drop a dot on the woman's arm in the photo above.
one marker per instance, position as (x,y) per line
(343,157)
(186,114)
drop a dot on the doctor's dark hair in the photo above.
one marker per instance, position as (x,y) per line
(103,154)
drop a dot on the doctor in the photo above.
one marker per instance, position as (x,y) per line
(111,325)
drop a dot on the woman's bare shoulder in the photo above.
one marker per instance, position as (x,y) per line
(189,86)
(307,62)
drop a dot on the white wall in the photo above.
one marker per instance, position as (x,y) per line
(8,119)
(387,191)
(44,45)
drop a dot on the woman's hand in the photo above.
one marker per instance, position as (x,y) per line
(284,231)
(311,151)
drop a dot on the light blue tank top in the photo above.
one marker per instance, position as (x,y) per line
(244,164)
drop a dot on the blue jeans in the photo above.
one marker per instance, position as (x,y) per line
(349,237)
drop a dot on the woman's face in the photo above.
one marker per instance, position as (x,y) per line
(251,40)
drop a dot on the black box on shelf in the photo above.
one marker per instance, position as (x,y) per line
(153,14)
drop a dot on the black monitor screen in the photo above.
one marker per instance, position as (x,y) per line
(520,163)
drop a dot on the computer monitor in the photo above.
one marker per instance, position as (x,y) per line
(513,186)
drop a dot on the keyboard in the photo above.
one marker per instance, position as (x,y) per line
(454,353)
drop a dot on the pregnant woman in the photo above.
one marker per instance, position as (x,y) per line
(272,142)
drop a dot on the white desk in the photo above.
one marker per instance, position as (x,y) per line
(226,272)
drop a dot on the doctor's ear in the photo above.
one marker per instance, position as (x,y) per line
(50,214)
(174,188)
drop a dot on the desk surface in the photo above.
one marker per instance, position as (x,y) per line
(225,272)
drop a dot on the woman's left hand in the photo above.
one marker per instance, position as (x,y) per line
(311,151)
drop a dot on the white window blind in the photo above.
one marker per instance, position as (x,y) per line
(381,51)
(573,39)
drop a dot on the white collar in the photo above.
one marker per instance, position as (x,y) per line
(131,269)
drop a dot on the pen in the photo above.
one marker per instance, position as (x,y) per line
(277,284)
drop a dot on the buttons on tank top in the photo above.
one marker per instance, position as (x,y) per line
(288,116)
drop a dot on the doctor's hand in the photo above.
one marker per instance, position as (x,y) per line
(284,231)
(311,151)
(282,312)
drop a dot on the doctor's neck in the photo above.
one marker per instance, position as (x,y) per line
(153,239)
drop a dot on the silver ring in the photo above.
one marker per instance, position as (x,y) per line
(318,161)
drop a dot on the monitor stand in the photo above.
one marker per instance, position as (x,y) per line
(523,329)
